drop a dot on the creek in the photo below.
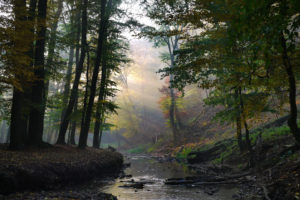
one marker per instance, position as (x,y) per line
(153,172)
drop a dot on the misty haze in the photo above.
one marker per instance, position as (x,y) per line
(149,99)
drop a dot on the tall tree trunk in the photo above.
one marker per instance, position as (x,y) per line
(17,121)
(51,128)
(73,130)
(2,133)
(292,121)
(178,118)
(247,133)
(172,117)
(238,122)
(79,68)
(18,116)
(249,146)
(239,133)
(86,93)
(99,109)
(101,132)
(68,81)
(172,46)
(31,53)
(102,34)
(74,122)
(51,47)
(36,120)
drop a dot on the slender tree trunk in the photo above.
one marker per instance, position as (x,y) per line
(99,109)
(249,146)
(238,122)
(74,122)
(36,121)
(8,135)
(86,93)
(68,81)
(102,34)
(73,132)
(79,68)
(172,47)
(49,135)
(78,34)
(178,118)
(247,133)
(67,86)
(172,117)
(52,46)
(101,133)
(239,133)
(2,133)
(292,121)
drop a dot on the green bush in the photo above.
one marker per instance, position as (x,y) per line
(183,154)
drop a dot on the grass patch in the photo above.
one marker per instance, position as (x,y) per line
(270,133)
(183,154)
(139,149)
(266,134)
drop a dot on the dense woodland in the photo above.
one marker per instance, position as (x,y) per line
(229,69)
(58,61)
(64,62)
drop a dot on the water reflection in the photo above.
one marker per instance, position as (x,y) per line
(145,168)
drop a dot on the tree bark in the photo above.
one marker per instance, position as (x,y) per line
(36,120)
(17,121)
(102,34)
(292,121)
(19,116)
(79,68)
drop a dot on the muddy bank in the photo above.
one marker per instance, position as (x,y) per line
(54,167)
(275,174)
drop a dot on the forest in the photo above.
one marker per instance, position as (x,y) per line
(150,99)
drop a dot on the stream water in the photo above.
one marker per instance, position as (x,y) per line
(145,168)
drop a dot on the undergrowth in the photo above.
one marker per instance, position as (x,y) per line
(232,147)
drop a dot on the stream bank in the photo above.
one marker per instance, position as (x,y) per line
(53,168)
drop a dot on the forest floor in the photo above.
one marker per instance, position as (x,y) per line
(34,171)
